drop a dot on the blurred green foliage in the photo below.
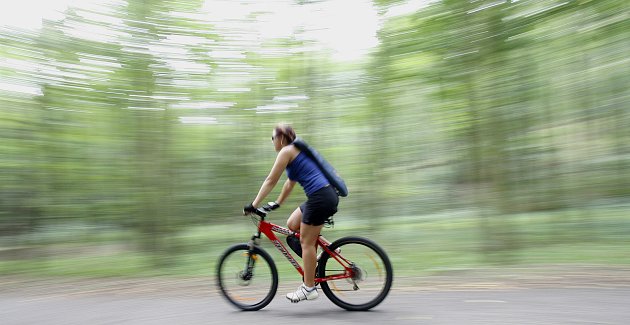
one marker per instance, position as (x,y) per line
(147,119)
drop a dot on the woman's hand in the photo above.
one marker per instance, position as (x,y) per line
(250,208)
(271,206)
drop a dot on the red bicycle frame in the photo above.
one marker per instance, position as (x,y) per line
(269,229)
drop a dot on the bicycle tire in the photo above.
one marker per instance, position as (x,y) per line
(242,292)
(373,278)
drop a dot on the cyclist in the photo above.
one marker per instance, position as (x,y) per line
(309,218)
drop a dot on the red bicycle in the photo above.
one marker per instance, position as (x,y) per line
(353,272)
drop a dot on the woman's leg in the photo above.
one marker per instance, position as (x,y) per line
(308,239)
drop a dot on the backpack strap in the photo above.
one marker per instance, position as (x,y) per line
(327,169)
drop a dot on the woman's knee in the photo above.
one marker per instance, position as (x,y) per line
(295,220)
(309,234)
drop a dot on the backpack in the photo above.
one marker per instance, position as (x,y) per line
(327,169)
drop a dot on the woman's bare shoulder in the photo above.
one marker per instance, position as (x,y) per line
(290,151)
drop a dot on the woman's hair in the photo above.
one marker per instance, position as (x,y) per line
(286,131)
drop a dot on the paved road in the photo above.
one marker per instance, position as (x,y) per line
(191,303)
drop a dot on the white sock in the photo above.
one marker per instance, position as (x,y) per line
(309,289)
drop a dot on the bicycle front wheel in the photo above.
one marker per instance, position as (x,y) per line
(360,277)
(247,280)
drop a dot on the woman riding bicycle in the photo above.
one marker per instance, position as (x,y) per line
(309,218)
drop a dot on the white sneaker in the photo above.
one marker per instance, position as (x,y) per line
(302,294)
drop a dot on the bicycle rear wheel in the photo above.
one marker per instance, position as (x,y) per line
(248,281)
(369,280)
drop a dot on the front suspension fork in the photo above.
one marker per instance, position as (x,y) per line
(251,257)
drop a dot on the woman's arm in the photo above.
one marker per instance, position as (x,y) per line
(282,160)
(286,190)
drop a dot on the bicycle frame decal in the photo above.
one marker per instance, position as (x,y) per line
(286,254)
(281,230)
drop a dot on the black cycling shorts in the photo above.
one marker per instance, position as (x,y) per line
(320,206)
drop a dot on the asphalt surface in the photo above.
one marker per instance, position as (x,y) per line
(196,301)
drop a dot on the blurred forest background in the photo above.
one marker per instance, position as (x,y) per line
(473,134)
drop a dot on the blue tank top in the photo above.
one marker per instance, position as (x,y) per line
(304,170)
